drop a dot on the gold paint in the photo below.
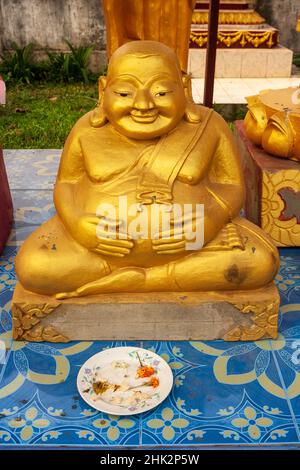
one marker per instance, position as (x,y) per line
(230,17)
(242,38)
(273,122)
(264,320)
(148,141)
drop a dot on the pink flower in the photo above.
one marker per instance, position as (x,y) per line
(2,91)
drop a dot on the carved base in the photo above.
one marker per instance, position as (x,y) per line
(232,316)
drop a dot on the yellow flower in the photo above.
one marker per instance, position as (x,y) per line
(252,422)
(114,424)
(28,423)
(168,423)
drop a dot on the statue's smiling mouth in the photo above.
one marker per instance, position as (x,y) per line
(144,116)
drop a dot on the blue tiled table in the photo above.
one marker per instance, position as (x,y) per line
(225,394)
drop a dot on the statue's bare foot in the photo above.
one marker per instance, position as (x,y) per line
(66,295)
(122,280)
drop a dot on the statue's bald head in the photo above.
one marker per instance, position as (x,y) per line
(143,95)
(144,50)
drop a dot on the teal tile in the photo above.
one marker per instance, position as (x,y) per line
(224,393)
(40,402)
(32,207)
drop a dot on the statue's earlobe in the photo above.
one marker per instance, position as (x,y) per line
(98,117)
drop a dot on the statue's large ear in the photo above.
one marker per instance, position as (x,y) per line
(193,112)
(98,117)
(102,82)
(187,85)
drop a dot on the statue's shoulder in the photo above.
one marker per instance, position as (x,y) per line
(81,127)
(207,118)
(88,123)
(199,114)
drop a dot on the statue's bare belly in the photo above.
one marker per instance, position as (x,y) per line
(120,196)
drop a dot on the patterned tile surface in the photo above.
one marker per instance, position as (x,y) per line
(229,394)
(31,169)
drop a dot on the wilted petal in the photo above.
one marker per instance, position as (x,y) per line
(250,412)
(155,423)
(167,414)
(125,423)
(40,423)
(168,433)
(113,433)
(14,423)
(26,433)
(264,422)
(31,413)
(240,422)
(180,423)
(254,431)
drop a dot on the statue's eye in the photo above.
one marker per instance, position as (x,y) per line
(161,93)
(122,93)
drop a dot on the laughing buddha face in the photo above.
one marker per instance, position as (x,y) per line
(143,92)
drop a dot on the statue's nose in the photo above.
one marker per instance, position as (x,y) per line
(143,100)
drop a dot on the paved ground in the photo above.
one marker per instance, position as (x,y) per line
(234,90)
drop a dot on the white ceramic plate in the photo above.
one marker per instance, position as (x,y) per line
(127,393)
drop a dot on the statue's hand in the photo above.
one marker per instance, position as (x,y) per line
(168,246)
(89,234)
(175,240)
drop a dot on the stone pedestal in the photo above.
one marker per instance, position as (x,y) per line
(232,316)
(6,208)
(272,191)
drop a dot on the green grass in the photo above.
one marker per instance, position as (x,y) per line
(49,112)
(296,59)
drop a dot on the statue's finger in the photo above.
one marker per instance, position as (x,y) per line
(177,233)
(116,242)
(167,241)
(169,246)
(107,253)
(93,220)
(170,252)
(113,249)
(116,236)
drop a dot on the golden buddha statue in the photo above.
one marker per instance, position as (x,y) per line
(147,143)
(273,122)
